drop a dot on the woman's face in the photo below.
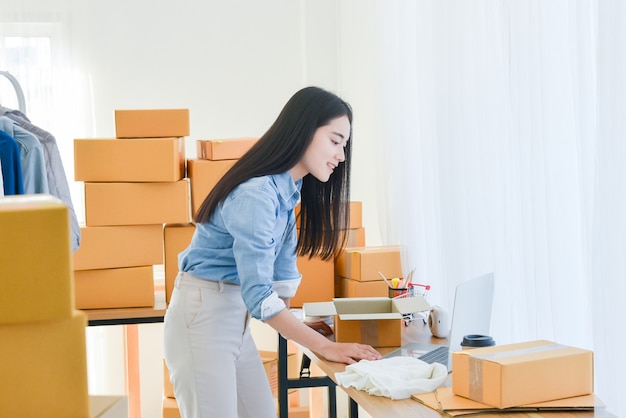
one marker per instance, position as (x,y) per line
(325,152)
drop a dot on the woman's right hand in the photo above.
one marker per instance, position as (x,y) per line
(349,353)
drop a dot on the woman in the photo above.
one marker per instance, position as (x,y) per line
(242,259)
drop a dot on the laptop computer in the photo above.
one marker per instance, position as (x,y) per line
(471,314)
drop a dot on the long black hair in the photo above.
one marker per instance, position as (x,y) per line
(324,206)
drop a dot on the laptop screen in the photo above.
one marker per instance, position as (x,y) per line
(471,313)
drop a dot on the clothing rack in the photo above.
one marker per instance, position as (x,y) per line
(21,101)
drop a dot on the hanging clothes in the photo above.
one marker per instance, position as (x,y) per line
(11,165)
(57,181)
(1,181)
(34,174)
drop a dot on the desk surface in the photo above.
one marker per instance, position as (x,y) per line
(382,407)
(121,316)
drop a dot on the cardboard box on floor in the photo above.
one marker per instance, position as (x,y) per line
(103,406)
(374,321)
(270,363)
(518,374)
(169,408)
(44,368)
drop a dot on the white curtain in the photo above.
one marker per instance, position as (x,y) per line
(502,132)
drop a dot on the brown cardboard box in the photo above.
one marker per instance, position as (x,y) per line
(270,362)
(108,204)
(223,149)
(317,281)
(374,321)
(170,408)
(356,237)
(364,263)
(35,259)
(103,406)
(129,160)
(104,247)
(446,402)
(518,374)
(203,176)
(151,123)
(356,215)
(176,238)
(168,387)
(348,288)
(44,368)
(130,287)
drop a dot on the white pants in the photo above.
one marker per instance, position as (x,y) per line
(213,362)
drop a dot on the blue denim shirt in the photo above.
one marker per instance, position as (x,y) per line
(251,240)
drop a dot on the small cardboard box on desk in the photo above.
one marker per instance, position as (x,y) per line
(375,321)
(524,373)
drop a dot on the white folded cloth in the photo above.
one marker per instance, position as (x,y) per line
(395,377)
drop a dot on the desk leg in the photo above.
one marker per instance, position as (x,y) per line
(284,384)
(354,409)
(131,342)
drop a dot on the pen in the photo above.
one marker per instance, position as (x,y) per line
(410,277)
(385,279)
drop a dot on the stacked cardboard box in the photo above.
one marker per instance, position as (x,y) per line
(318,276)
(42,335)
(134,184)
(357,270)
(347,283)
(215,157)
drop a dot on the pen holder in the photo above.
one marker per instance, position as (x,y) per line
(395,292)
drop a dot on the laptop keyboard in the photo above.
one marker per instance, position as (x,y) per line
(438,355)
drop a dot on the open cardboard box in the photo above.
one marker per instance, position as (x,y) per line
(376,321)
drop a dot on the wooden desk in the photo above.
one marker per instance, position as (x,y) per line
(382,407)
(130,318)
(126,316)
